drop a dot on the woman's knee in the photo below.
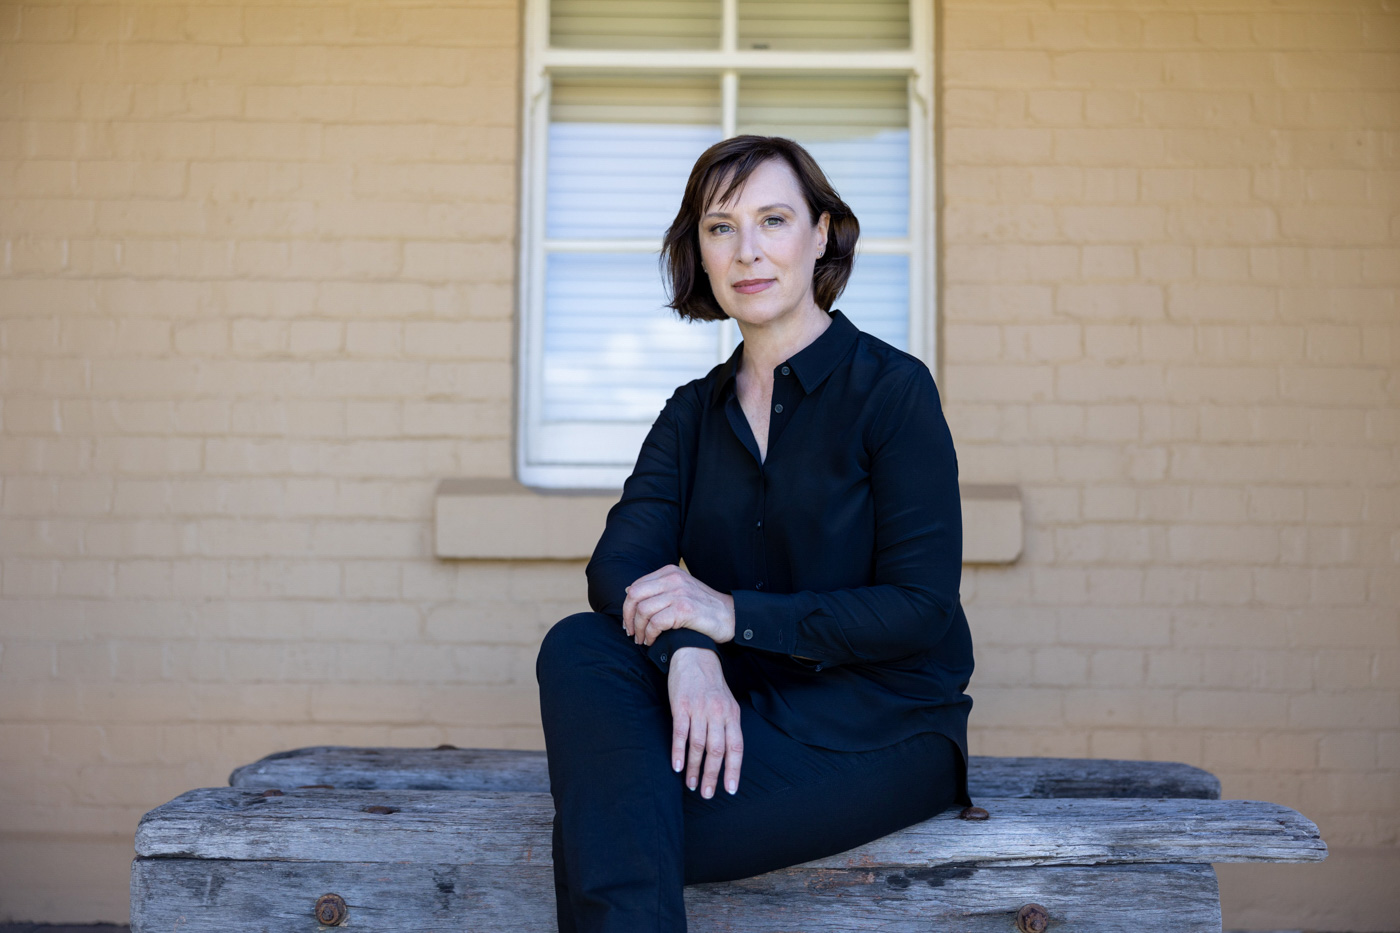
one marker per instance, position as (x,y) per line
(567,642)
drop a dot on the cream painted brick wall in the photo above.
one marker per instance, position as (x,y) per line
(256,300)
(1170,315)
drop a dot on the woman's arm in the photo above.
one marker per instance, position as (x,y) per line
(918,552)
(642,533)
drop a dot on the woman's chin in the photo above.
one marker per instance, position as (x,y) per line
(757,311)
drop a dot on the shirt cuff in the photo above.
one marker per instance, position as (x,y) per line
(767,621)
(665,645)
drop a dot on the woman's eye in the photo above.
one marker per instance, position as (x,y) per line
(725,228)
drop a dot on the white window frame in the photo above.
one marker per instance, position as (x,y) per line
(550,469)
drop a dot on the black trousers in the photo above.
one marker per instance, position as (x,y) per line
(628,833)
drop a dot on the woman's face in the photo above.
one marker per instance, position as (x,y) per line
(759,250)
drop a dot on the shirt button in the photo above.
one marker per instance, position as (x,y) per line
(748,634)
(778,408)
(760,523)
(758,585)
(818,667)
(663,657)
(786,370)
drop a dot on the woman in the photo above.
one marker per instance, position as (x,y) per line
(813,651)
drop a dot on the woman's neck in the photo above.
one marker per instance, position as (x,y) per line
(767,345)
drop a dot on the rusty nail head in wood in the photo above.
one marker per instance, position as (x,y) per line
(1032,918)
(974,813)
(331,910)
(380,808)
(273,792)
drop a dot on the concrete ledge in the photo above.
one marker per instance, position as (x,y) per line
(993,530)
(499,519)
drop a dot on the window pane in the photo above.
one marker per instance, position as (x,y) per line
(634,24)
(612,350)
(844,25)
(876,298)
(856,127)
(621,149)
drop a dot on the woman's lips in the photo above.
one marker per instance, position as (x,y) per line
(748,287)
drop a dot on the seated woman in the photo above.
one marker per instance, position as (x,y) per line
(813,655)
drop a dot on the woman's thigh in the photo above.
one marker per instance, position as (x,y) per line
(797,802)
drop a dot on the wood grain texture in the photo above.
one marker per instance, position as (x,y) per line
(509,828)
(510,770)
(203,896)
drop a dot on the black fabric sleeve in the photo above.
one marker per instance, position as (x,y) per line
(642,532)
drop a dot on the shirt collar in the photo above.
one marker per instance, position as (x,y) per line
(812,364)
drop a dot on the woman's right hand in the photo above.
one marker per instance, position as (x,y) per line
(705,720)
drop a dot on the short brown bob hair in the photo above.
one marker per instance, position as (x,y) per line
(689,287)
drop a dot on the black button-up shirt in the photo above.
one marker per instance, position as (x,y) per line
(843,545)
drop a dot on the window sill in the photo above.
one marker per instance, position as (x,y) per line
(499,519)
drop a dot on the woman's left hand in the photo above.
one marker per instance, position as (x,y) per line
(670,598)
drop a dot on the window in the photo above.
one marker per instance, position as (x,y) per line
(621,96)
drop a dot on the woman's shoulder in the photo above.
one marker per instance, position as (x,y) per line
(886,369)
(687,399)
(891,359)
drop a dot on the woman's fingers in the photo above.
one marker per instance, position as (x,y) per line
(698,736)
(734,751)
(644,586)
(653,617)
(714,750)
(680,731)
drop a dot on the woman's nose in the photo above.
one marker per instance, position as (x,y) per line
(748,244)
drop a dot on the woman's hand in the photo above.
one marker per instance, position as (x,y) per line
(671,598)
(705,718)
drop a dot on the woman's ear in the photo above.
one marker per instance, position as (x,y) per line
(823,225)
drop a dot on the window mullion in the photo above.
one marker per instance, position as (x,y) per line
(532,379)
(923,329)
(729,102)
(729,121)
(729,25)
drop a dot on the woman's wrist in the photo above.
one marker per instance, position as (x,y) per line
(684,656)
(727,621)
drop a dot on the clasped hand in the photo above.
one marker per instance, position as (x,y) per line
(704,714)
(669,598)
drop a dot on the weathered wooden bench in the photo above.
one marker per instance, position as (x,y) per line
(410,840)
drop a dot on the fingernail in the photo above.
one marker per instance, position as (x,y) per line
(676,765)
(733,786)
(708,792)
(690,782)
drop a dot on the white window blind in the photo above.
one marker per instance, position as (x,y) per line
(823,26)
(624,96)
(635,24)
